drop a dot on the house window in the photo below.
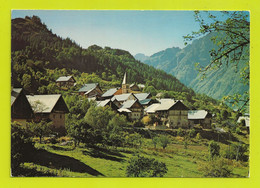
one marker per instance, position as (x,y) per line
(60,116)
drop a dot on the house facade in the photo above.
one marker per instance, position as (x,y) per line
(178,115)
(133,109)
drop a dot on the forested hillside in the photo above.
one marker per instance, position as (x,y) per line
(35,48)
(182,64)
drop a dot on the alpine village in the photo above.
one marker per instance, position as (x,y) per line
(100,112)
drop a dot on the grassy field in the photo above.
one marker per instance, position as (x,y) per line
(67,161)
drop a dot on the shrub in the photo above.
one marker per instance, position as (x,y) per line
(180,132)
(164,141)
(213,149)
(133,140)
(238,130)
(21,146)
(140,166)
(216,168)
(192,133)
(146,120)
(40,129)
(237,151)
(138,123)
(155,141)
(198,136)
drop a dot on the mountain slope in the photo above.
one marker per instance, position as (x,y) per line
(181,64)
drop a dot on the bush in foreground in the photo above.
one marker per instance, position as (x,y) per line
(21,146)
(218,167)
(140,166)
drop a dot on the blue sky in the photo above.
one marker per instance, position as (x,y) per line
(135,31)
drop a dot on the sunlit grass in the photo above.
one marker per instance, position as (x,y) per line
(112,162)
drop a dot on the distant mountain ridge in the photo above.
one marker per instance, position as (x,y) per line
(141,57)
(181,64)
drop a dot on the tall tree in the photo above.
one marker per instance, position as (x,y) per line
(231,35)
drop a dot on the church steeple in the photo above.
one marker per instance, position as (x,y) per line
(125,86)
(124,80)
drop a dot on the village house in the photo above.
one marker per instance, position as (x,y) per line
(91,90)
(200,117)
(108,102)
(49,107)
(65,81)
(173,113)
(21,110)
(133,109)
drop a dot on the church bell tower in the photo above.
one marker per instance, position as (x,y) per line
(125,86)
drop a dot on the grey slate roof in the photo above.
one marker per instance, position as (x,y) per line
(166,104)
(88,87)
(14,94)
(110,92)
(141,96)
(152,108)
(63,79)
(197,114)
(103,103)
(48,102)
(128,104)
(122,97)
(145,101)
